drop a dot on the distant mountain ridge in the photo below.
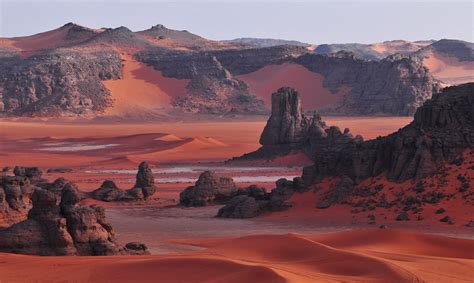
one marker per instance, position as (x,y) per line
(266,42)
(62,73)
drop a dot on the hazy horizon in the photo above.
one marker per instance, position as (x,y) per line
(306,21)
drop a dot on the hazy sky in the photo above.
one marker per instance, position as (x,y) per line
(316,21)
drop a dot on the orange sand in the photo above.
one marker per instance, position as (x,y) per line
(142,89)
(310,85)
(459,209)
(449,69)
(29,45)
(355,256)
(200,141)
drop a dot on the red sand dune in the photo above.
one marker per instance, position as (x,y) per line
(50,39)
(142,88)
(233,139)
(310,85)
(449,69)
(355,256)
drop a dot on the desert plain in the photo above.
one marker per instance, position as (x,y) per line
(302,244)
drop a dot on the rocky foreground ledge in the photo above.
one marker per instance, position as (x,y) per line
(49,219)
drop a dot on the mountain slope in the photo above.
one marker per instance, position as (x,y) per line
(73,75)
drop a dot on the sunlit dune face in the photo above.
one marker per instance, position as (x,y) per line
(176,141)
(371,255)
(449,69)
(30,45)
(267,80)
(142,88)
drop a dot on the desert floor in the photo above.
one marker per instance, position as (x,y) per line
(190,244)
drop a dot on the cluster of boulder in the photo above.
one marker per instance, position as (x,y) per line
(44,218)
(143,189)
(253,201)
(62,227)
(239,202)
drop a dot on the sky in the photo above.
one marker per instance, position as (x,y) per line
(316,21)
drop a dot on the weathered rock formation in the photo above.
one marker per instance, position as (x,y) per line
(66,77)
(252,201)
(442,129)
(288,130)
(15,194)
(66,228)
(209,188)
(396,85)
(57,83)
(144,187)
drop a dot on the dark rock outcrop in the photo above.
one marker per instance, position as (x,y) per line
(287,124)
(66,228)
(212,89)
(108,191)
(241,206)
(209,188)
(57,83)
(252,201)
(442,129)
(288,130)
(144,187)
(15,195)
(396,85)
(32,173)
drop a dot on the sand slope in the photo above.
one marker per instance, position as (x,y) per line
(267,80)
(142,90)
(354,256)
(449,69)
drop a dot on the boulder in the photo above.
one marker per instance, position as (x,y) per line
(108,191)
(241,206)
(208,188)
(144,176)
(136,248)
